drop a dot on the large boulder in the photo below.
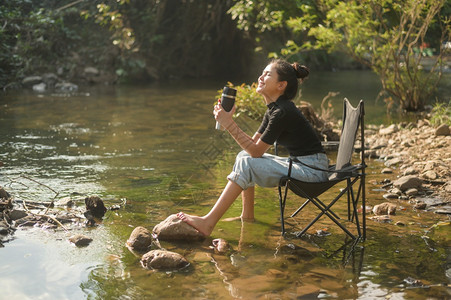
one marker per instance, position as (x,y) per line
(408,182)
(163,260)
(175,229)
(140,239)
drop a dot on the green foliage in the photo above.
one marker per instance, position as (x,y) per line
(384,35)
(441,114)
(257,15)
(248,102)
(122,36)
(132,40)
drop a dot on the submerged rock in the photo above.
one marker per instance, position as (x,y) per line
(175,229)
(163,260)
(221,246)
(140,239)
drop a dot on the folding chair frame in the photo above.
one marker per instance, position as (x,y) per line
(351,174)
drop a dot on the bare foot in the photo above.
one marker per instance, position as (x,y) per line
(199,223)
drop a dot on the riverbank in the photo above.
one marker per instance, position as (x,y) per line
(419,153)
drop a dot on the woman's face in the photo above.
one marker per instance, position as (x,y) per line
(268,82)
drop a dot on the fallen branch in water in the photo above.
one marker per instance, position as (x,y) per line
(40,183)
(44,215)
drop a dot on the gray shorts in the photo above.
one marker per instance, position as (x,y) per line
(267,170)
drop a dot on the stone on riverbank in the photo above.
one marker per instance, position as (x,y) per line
(175,229)
(140,239)
(408,182)
(442,130)
(389,130)
(163,260)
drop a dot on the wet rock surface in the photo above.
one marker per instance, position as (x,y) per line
(163,260)
(221,246)
(80,240)
(140,239)
(175,229)
(95,206)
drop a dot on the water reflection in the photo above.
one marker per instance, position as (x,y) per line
(157,148)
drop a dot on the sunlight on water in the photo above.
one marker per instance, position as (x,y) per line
(156,147)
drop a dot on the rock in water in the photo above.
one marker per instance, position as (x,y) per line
(385,208)
(175,229)
(4,194)
(95,205)
(80,240)
(140,239)
(163,260)
(221,246)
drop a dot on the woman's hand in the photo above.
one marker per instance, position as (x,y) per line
(225,118)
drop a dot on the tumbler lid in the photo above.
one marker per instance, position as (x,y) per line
(229,91)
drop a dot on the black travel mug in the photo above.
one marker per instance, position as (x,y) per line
(227,100)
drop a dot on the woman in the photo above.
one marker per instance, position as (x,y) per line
(283,123)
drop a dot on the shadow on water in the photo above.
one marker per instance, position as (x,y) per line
(157,148)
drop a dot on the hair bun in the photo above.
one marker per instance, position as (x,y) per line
(300,70)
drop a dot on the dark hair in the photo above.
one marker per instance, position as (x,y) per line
(290,73)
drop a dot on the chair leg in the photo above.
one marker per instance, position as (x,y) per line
(327,212)
(282,205)
(306,202)
(300,208)
(281,210)
(363,205)
(355,211)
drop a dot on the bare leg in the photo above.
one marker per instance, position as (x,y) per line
(206,223)
(247,213)
(247,197)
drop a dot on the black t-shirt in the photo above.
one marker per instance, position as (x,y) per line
(284,122)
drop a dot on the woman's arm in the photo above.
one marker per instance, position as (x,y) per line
(252,145)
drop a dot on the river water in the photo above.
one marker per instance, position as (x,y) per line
(154,151)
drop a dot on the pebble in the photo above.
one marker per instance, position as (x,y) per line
(431,175)
(412,192)
(420,205)
(409,171)
(387,171)
(390,196)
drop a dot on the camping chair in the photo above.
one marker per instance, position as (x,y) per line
(342,171)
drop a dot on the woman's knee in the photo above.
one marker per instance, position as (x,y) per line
(242,154)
